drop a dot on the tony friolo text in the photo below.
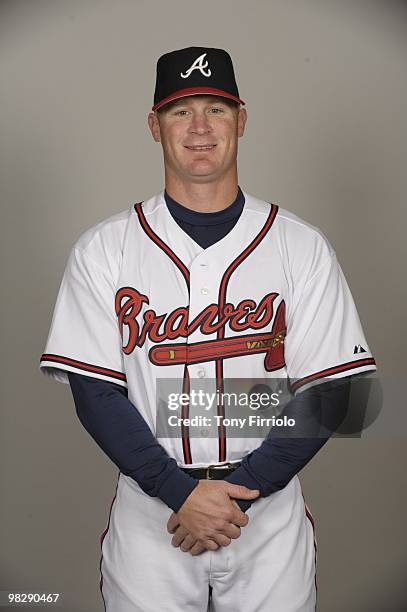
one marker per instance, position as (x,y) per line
(250,421)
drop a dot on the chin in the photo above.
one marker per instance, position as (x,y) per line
(202,177)
(202,170)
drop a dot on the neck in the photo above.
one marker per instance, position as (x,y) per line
(203,197)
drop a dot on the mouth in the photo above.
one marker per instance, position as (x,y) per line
(201,147)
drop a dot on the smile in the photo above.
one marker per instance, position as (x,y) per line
(201,148)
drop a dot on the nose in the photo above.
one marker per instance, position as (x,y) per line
(200,123)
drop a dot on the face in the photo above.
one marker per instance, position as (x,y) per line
(199,136)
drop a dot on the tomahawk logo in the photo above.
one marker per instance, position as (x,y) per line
(198,64)
(163,329)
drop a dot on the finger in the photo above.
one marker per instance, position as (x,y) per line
(221,539)
(232,531)
(238,508)
(173,523)
(210,545)
(241,492)
(197,549)
(179,536)
(239,518)
(188,543)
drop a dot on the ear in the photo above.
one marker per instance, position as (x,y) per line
(241,121)
(154,126)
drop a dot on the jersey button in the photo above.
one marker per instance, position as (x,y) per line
(204,290)
(201,373)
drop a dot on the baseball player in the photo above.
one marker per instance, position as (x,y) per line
(204,282)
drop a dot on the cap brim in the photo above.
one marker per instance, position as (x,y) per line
(193,91)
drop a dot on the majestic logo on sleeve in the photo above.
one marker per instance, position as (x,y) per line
(199,64)
(164,329)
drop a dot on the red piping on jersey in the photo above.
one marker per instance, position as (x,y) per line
(221,304)
(312,521)
(350,365)
(184,414)
(102,537)
(82,365)
(185,272)
(160,243)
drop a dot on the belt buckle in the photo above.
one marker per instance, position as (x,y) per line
(207,472)
(216,467)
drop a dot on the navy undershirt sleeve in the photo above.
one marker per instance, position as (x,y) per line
(318,412)
(121,432)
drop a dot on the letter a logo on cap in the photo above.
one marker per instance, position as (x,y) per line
(198,65)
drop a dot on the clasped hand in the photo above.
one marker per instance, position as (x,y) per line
(210,516)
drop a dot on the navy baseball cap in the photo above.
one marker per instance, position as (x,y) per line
(194,70)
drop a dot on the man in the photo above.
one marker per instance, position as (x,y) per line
(204,282)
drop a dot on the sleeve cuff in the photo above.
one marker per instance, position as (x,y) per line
(240,476)
(58,366)
(176,488)
(357,366)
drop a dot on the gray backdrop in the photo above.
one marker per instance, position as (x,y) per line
(326,95)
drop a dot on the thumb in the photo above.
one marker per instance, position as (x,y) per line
(241,492)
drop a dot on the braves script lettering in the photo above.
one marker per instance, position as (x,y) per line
(170,326)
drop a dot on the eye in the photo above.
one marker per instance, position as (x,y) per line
(180,112)
(216,110)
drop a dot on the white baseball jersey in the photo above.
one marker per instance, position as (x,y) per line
(141,301)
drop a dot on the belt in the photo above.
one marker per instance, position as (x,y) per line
(212,472)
